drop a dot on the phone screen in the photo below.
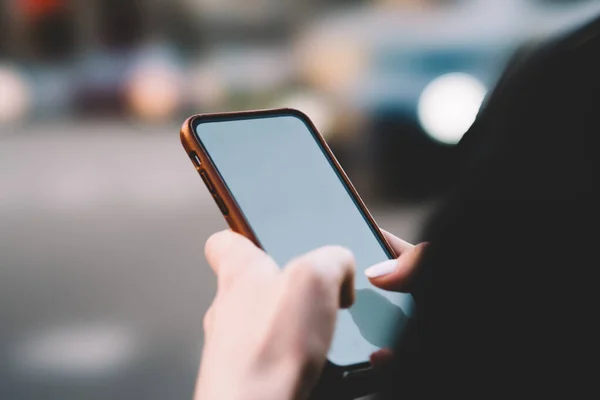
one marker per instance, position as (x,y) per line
(295,201)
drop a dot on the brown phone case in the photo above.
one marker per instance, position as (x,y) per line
(215,184)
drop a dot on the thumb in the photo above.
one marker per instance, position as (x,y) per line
(396,275)
(328,269)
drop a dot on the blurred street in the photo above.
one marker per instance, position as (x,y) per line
(103,283)
(103,219)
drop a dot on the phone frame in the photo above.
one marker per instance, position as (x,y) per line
(235,218)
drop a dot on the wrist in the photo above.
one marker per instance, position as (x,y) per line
(275,381)
(285,379)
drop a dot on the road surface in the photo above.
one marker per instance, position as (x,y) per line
(103,283)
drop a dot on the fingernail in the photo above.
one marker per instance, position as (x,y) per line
(381,269)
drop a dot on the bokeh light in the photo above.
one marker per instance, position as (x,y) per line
(449,105)
(154,91)
(331,63)
(15,95)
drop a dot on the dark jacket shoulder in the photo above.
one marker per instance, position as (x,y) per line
(501,294)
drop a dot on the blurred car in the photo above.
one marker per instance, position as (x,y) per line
(145,83)
(412,80)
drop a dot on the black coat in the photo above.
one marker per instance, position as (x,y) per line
(506,291)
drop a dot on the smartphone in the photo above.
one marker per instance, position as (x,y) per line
(277,182)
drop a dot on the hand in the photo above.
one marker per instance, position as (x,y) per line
(395,275)
(268,330)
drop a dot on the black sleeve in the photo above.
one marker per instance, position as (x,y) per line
(502,297)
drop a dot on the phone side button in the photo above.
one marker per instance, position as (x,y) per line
(195,159)
(207,181)
(221,205)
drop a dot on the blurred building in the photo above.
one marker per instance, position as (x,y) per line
(394,83)
(53,29)
(83,56)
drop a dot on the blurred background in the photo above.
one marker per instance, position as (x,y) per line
(102,217)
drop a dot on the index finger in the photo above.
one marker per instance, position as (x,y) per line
(329,268)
